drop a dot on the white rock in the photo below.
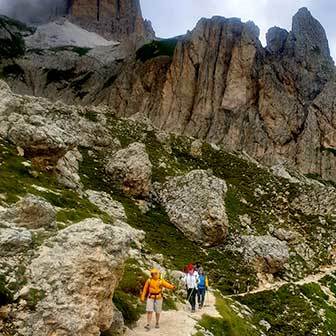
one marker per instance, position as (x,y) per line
(67,169)
(62,33)
(32,212)
(75,274)
(133,167)
(107,204)
(195,204)
(14,240)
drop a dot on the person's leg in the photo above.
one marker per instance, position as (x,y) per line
(199,298)
(149,310)
(189,292)
(202,296)
(149,317)
(193,299)
(158,310)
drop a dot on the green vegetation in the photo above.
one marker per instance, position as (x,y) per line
(69,78)
(225,267)
(55,75)
(13,45)
(20,277)
(34,297)
(165,47)
(6,296)
(307,312)
(91,115)
(17,180)
(77,85)
(126,297)
(13,71)
(230,323)
(329,150)
(17,25)
(319,178)
(330,282)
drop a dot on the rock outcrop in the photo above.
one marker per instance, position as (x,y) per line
(48,134)
(67,169)
(74,276)
(266,253)
(195,204)
(111,19)
(107,204)
(131,166)
(31,212)
(274,103)
(11,37)
(219,84)
(14,240)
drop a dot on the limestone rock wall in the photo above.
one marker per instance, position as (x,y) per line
(114,19)
(275,103)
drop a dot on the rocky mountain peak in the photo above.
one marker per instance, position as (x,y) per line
(115,19)
(276,38)
(310,38)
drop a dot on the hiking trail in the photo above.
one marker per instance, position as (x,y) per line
(179,322)
(182,323)
(312,278)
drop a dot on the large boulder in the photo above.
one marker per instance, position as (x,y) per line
(14,240)
(266,253)
(68,169)
(116,211)
(106,203)
(195,204)
(73,278)
(133,168)
(32,212)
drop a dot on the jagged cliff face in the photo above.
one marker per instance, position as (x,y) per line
(276,103)
(116,19)
(219,84)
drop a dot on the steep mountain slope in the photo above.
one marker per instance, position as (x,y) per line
(224,87)
(205,147)
(216,83)
(67,170)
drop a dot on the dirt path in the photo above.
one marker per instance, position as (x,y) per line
(309,279)
(182,322)
(177,323)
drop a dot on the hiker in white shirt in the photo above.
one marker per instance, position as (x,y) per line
(191,282)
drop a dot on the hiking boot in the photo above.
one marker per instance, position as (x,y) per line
(147,327)
(193,310)
(157,326)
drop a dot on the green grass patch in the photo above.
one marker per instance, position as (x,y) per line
(126,297)
(165,47)
(6,295)
(17,180)
(302,313)
(13,71)
(34,297)
(230,323)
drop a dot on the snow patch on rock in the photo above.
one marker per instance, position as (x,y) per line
(64,33)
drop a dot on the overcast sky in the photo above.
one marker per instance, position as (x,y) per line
(175,17)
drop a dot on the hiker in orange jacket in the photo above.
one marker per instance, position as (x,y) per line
(152,292)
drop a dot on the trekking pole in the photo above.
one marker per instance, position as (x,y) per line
(189,296)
